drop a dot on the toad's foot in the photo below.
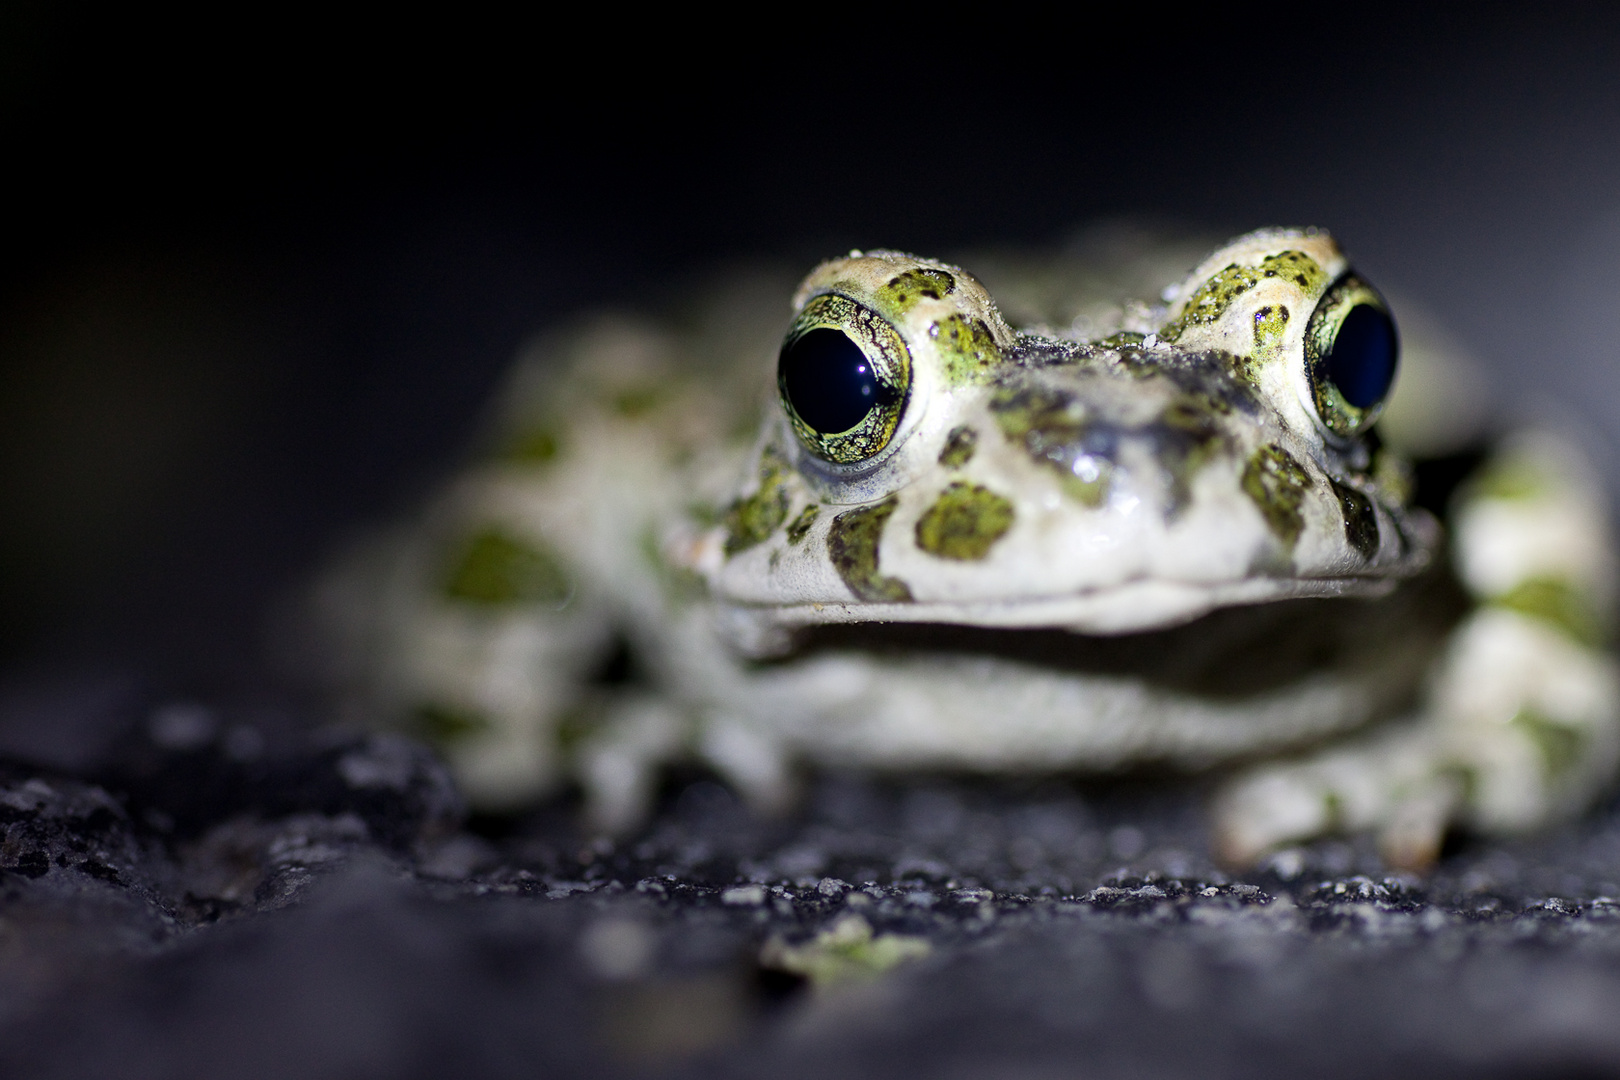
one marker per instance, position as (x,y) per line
(1398,785)
(619,763)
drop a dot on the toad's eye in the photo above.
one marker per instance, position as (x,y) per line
(1361,361)
(828,381)
(1351,352)
(843,375)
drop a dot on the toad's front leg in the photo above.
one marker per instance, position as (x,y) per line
(1521,723)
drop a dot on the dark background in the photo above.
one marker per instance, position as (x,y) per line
(259,278)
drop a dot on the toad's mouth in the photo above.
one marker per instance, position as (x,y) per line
(1228,654)
(1134,609)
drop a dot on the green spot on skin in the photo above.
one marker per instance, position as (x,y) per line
(1245,367)
(800,526)
(1090,487)
(1192,438)
(578,723)
(443,724)
(966,349)
(964,523)
(1215,295)
(1138,362)
(1393,476)
(1466,777)
(1270,323)
(1555,601)
(1037,410)
(751,520)
(1560,746)
(1508,478)
(904,291)
(1277,484)
(959,447)
(639,401)
(499,570)
(534,447)
(703,514)
(848,952)
(1047,424)
(852,543)
(1332,811)
(1360,520)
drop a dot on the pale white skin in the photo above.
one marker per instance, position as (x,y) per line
(1511,722)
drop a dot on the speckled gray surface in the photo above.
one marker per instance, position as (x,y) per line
(223,904)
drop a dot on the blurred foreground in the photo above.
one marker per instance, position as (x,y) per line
(323,909)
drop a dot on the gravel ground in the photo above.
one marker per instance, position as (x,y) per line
(231,902)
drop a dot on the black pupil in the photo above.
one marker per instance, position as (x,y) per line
(1362,361)
(829,381)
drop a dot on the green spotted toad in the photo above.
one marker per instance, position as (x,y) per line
(887,526)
